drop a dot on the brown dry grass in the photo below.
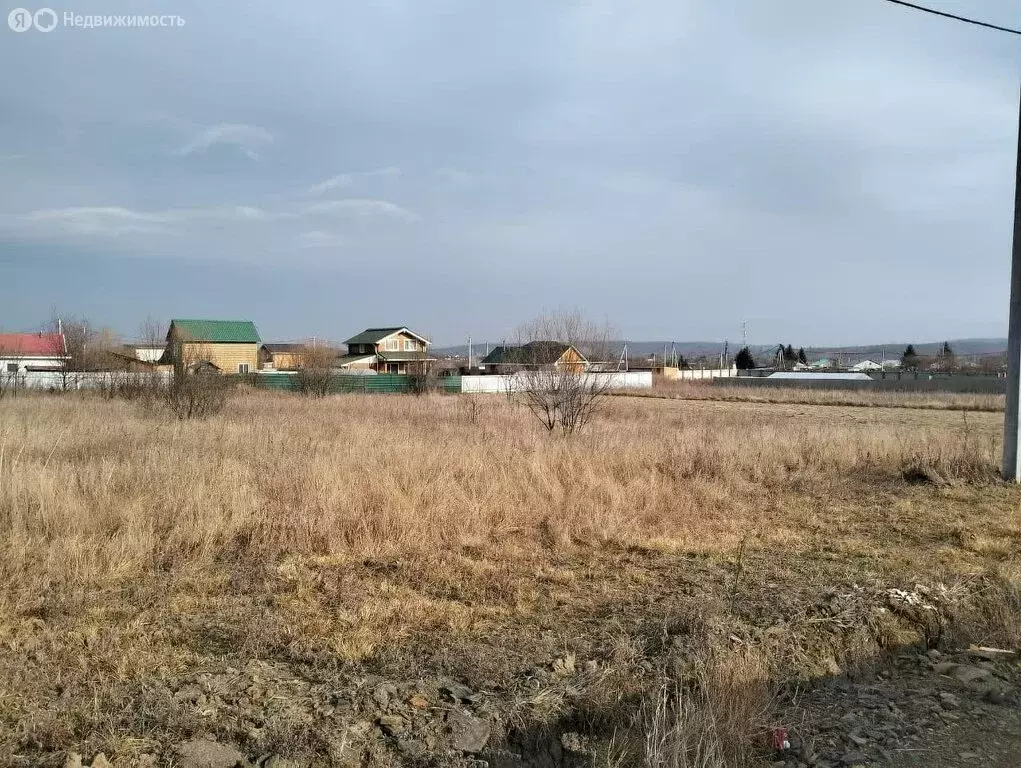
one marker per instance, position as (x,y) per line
(752,393)
(394,533)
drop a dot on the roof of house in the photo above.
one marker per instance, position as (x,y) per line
(402,357)
(348,359)
(375,335)
(218,331)
(532,353)
(291,346)
(32,344)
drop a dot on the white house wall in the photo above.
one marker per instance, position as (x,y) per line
(24,362)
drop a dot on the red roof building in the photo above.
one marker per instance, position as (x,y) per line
(24,352)
(32,345)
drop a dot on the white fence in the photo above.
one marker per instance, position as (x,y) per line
(61,381)
(518,382)
(702,374)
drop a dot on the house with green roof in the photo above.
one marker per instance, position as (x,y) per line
(212,346)
(386,350)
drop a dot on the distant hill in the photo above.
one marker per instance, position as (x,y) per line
(693,350)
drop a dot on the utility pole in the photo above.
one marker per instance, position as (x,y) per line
(469,353)
(1011,425)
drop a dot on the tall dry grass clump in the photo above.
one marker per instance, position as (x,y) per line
(719,720)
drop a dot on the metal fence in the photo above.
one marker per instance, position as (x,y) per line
(62,381)
(384,383)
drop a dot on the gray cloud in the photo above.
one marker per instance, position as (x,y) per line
(246,138)
(344,180)
(362,209)
(828,172)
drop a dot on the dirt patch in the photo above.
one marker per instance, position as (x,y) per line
(920,708)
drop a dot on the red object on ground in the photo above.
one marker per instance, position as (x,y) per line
(780,740)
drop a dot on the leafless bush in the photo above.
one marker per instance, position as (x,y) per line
(197,396)
(471,407)
(422,374)
(8,384)
(555,357)
(188,396)
(315,371)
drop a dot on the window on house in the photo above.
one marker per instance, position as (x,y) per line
(392,345)
(242,367)
(12,367)
(410,345)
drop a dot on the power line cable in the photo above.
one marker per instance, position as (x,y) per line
(955,17)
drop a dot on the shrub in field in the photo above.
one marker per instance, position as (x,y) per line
(315,371)
(193,396)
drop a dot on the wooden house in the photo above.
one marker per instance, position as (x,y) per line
(534,354)
(386,350)
(226,346)
(282,356)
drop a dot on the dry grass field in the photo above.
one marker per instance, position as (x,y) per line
(259,577)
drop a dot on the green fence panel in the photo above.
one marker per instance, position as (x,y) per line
(383,383)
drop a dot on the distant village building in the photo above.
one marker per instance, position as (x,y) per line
(212,346)
(385,350)
(535,354)
(285,356)
(867,365)
(149,353)
(25,352)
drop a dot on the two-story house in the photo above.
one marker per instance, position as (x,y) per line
(386,350)
(222,346)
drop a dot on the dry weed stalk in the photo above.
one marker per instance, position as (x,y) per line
(716,721)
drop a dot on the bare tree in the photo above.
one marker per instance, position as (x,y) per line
(85,350)
(76,334)
(315,370)
(423,374)
(557,360)
(141,376)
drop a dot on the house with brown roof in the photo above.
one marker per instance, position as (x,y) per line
(535,354)
(281,356)
(24,352)
(296,355)
(385,350)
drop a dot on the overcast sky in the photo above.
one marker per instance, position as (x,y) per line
(830,171)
